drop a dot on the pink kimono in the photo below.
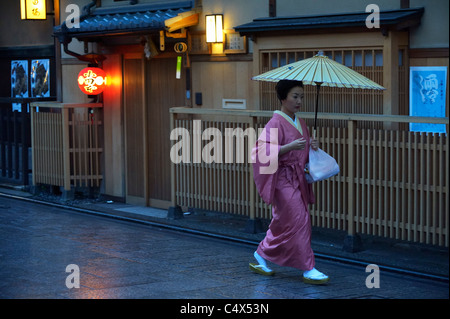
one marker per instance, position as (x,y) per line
(288,240)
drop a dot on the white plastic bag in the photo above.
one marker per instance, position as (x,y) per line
(321,166)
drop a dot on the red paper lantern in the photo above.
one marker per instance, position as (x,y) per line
(92,81)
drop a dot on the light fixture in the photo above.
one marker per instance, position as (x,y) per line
(33,10)
(92,81)
(214,28)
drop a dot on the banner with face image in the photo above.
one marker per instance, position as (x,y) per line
(19,81)
(35,84)
(40,84)
(427,89)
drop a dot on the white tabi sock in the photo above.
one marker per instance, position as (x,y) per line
(314,274)
(262,262)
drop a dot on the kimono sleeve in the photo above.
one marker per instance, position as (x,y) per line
(265,161)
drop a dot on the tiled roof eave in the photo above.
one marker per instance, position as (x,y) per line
(388,19)
(116,22)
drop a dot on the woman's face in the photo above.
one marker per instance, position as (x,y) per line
(293,101)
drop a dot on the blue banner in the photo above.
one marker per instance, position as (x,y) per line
(427,88)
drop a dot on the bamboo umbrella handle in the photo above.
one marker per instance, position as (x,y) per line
(318,84)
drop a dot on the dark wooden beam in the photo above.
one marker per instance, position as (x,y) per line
(272,8)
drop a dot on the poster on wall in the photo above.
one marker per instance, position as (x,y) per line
(19,81)
(427,96)
(40,75)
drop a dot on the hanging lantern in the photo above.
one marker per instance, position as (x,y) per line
(214,28)
(92,81)
(33,10)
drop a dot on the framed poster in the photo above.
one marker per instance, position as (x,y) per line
(40,78)
(234,43)
(19,81)
(427,89)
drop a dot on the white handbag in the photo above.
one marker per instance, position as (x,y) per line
(321,166)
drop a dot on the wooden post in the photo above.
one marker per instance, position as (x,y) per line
(352,242)
(9,143)
(15,142)
(252,199)
(145,138)
(446,208)
(172,165)
(351,178)
(272,8)
(33,149)
(175,211)
(391,46)
(253,224)
(65,146)
(25,141)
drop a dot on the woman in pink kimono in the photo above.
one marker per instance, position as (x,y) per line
(279,159)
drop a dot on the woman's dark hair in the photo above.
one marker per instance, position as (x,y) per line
(284,86)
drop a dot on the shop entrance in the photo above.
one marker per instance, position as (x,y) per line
(150,90)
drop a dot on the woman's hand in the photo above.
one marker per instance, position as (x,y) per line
(314,144)
(298,144)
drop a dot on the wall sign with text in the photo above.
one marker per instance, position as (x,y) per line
(427,88)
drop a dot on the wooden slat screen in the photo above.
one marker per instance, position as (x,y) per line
(66,147)
(392,184)
(366,61)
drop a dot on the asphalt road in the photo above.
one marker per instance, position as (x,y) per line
(48,252)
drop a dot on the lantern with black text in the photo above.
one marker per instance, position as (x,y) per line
(33,10)
(92,81)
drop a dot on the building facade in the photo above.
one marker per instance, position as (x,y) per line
(138,44)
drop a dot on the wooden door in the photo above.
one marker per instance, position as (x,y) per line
(135,125)
(163,92)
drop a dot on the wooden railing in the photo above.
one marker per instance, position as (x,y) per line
(15,139)
(392,183)
(66,145)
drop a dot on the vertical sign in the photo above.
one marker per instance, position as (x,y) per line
(40,86)
(178,75)
(19,81)
(427,89)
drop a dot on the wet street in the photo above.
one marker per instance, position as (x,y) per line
(45,252)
